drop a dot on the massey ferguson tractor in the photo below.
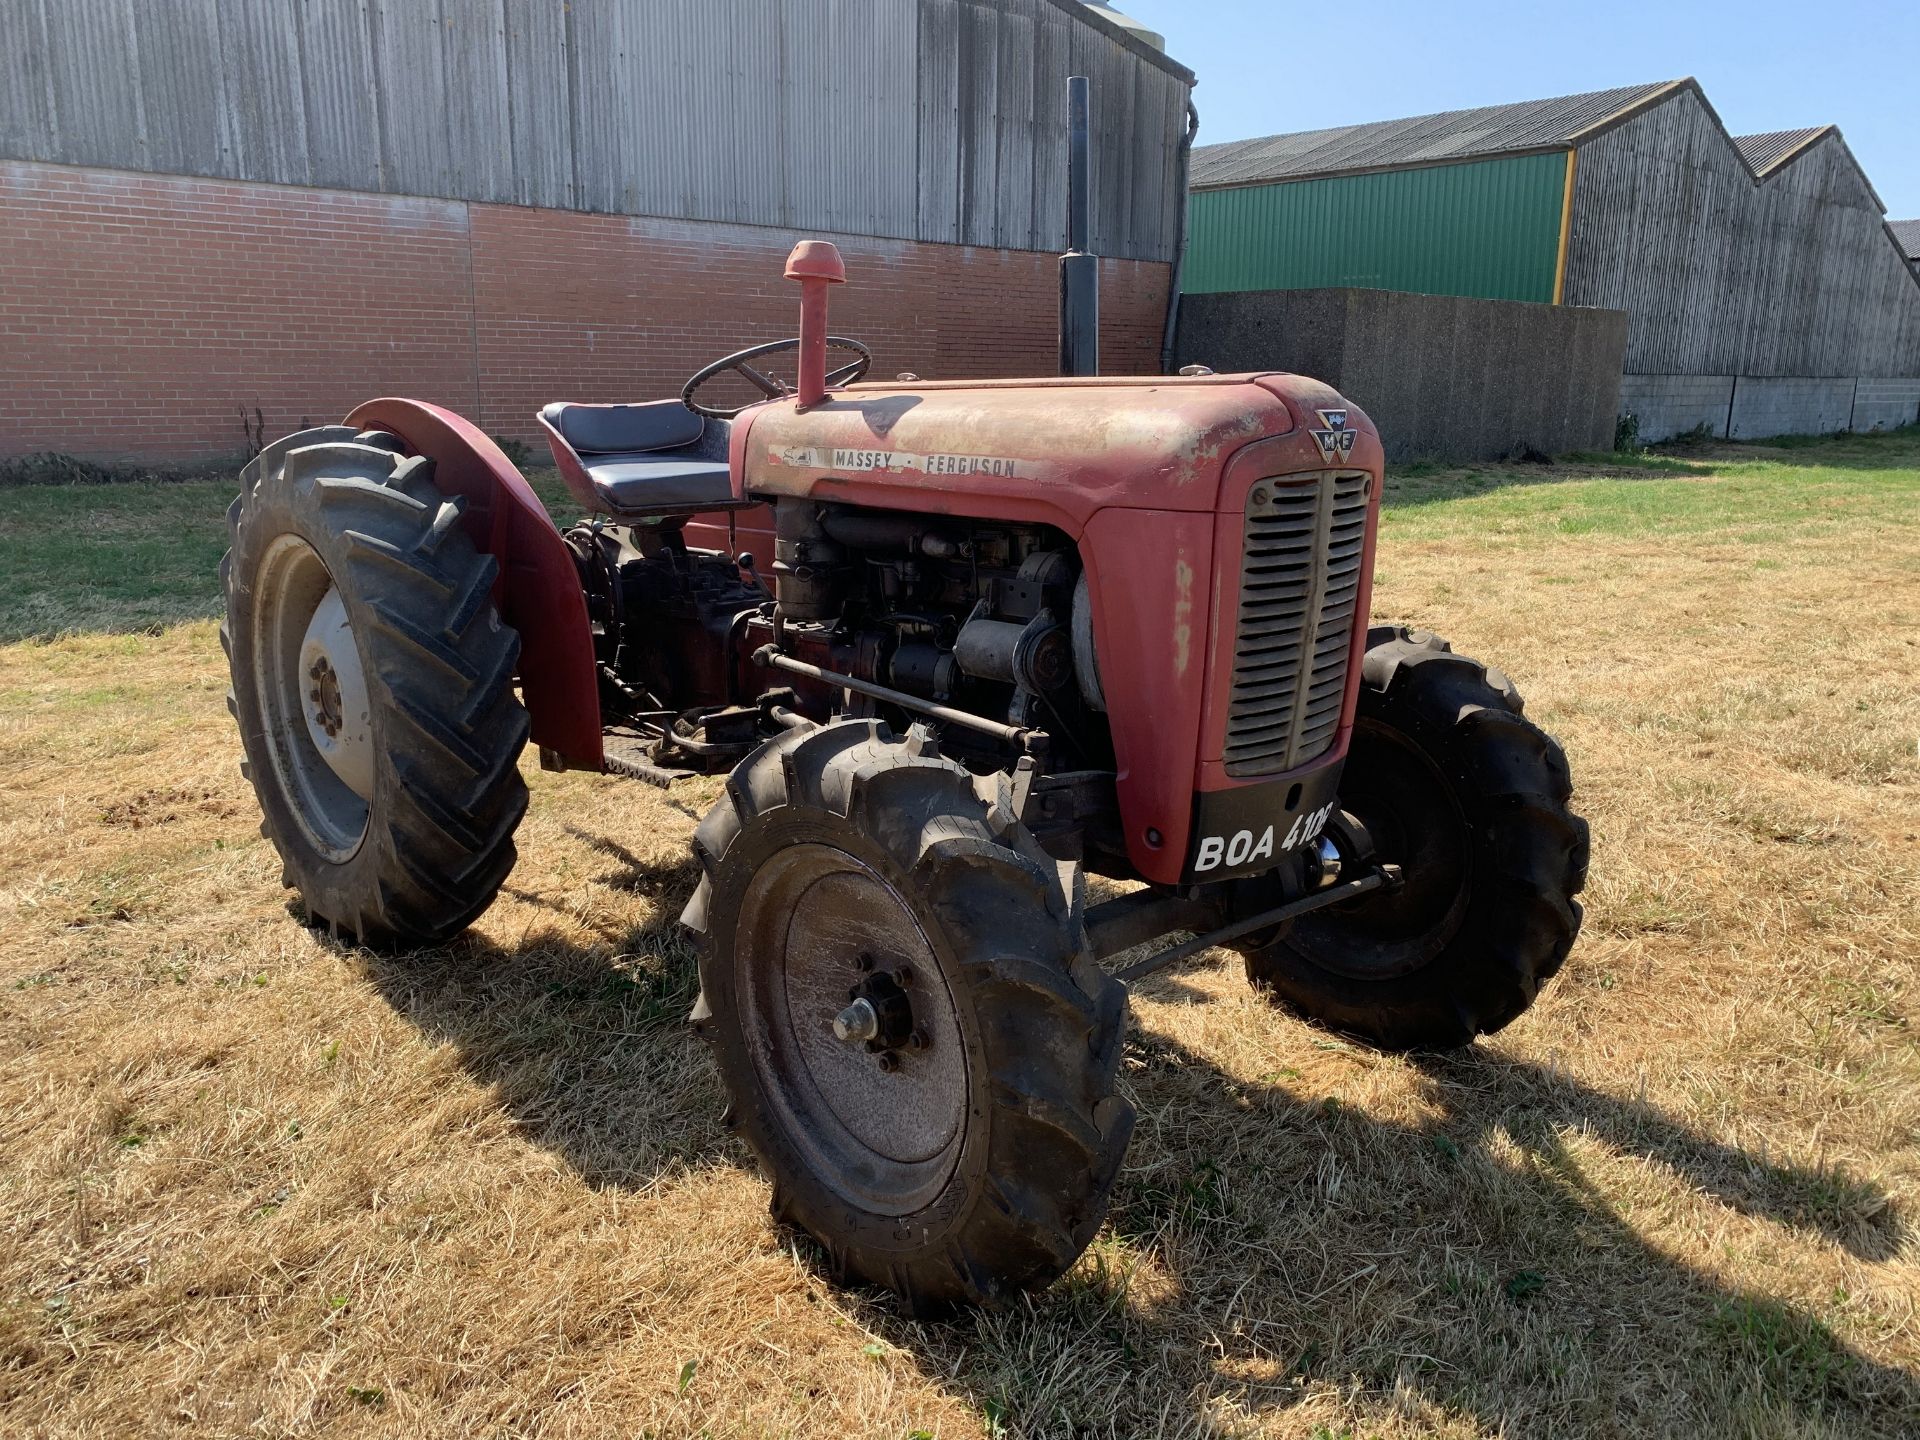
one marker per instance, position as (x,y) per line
(958,647)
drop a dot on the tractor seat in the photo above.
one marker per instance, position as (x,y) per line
(644,459)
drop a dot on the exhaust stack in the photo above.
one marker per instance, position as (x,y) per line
(1079,269)
(816,264)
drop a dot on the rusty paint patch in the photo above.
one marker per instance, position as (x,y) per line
(1182,614)
(1206,447)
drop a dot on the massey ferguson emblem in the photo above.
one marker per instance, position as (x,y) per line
(875,462)
(1336,441)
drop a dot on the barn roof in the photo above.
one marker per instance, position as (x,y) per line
(1530,125)
(1763,152)
(1907,232)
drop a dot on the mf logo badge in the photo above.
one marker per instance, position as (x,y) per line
(1336,441)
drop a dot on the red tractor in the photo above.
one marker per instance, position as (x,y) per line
(957,646)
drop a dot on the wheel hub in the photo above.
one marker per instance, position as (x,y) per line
(337,713)
(879,1015)
(853,1030)
(325,695)
(311,695)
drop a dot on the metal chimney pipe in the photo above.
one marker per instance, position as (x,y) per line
(1079,269)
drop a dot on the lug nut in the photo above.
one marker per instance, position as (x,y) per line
(889,1061)
(863,962)
(918,1040)
(903,977)
(857,1023)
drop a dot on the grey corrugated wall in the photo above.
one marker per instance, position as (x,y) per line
(1795,275)
(936,120)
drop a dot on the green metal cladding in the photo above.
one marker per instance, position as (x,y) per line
(1489,228)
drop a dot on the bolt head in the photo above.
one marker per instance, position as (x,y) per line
(889,1061)
(903,977)
(863,962)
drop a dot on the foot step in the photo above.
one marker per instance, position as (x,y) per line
(627,758)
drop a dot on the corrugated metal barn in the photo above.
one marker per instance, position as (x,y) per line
(1906,234)
(501,202)
(1765,291)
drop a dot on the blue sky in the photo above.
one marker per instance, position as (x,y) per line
(1266,66)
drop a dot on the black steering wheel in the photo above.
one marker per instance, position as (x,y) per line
(770,386)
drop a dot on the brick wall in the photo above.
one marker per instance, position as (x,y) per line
(141,314)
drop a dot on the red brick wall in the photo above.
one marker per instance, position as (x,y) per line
(141,314)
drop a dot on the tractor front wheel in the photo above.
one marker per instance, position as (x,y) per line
(373,687)
(1469,799)
(914,1035)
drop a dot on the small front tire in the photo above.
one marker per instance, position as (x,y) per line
(1469,798)
(962,1148)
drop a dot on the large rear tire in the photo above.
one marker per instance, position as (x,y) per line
(373,687)
(964,1151)
(1469,798)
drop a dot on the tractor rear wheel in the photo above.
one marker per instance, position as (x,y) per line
(1453,785)
(914,1035)
(373,687)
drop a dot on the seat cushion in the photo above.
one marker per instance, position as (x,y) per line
(636,482)
(618,429)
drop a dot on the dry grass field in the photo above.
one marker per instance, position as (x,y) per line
(252,1184)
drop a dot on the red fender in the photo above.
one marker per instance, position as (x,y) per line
(538,590)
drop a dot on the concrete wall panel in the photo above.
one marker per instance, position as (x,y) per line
(1765,405)
(1669,405)
(1885,404)
(1443,377)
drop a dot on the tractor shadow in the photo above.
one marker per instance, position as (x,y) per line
(586,1045)
(1267,1246)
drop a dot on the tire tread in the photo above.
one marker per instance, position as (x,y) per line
(1531,859)
(1051,1020)
(452,795)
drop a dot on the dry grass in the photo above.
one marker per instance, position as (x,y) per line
(256,1185)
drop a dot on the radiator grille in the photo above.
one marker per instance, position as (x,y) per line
(1299,583)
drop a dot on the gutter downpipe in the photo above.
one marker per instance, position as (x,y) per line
(1183,165)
